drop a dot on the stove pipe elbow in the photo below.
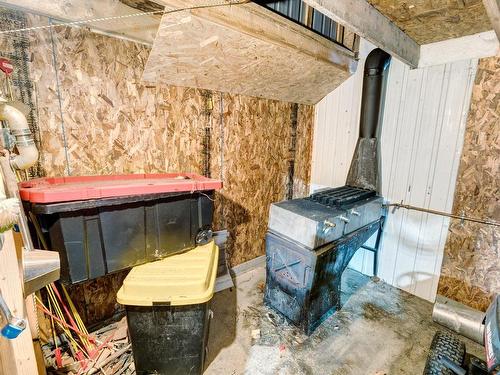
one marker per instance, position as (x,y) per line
(28,153)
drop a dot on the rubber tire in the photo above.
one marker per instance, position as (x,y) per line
(448,345)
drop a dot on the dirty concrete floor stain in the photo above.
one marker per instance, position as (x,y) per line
(380,330)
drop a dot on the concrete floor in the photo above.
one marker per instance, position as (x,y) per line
(380,330)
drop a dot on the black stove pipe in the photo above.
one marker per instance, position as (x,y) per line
(372,100)
(364,169)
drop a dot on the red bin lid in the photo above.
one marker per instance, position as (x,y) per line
(67,189)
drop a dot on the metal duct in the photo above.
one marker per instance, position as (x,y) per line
(459,318)
(364,169)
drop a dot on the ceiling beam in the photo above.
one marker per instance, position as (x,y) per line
(493,11)
(475,46)
(140,29)
(372,25)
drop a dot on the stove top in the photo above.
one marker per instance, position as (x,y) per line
(342,196)
(325,216)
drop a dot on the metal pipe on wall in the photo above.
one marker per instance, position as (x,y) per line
(28,153)
(372,100)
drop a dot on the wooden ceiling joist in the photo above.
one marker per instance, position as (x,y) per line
(246,49)
(372,25)
(140,29)
(493,10)
(430,21)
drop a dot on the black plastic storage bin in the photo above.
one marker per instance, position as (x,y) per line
(303,284)
(169,339)
(95,237)
(168,315)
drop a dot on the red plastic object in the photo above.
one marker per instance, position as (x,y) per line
(67,189)
(58,354)
(6,66)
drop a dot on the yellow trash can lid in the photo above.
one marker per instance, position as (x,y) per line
(182,279)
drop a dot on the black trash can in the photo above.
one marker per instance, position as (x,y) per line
(168,316)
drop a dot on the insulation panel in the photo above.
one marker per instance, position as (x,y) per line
(422,134)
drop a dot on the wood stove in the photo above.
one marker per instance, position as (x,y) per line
(310,241)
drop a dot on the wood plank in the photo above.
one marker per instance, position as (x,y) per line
(390,130)
(32,315)
(440,193)
(139,29)
(429,21)
(258,22)
(369,23)
(493,11)
(18,355)
(474,46)
(246,49)
(470,272)
(402,185)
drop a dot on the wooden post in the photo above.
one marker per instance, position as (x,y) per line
(366,21)
(493,10)
(17,357)
(32,316)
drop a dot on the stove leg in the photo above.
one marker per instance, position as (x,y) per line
(375,249)
(378,240)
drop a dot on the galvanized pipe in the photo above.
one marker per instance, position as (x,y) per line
(459,318)
(442,213)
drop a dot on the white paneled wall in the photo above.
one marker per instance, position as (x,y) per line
(422,134)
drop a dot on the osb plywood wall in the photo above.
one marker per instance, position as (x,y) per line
(255,167)
(428,21)
(110,122)
(303,151)
(96,117)
(471,266)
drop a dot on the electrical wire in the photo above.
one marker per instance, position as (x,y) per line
(55,66)
(62,323)
(202,193)
(215,4)
(221,160)
(79,323)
